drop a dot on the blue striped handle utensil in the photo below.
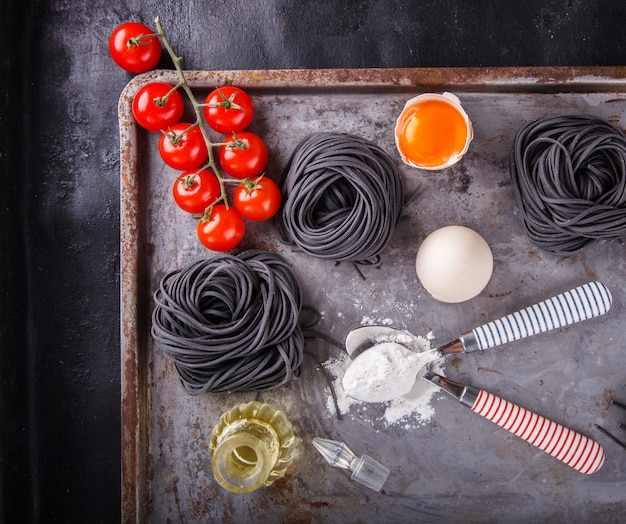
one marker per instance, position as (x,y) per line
(581,303)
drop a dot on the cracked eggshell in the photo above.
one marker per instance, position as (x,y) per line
(433,131)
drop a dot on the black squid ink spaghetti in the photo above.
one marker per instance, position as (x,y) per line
(342,197)
(230,323)
(569,174)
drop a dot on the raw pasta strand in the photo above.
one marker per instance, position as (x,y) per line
(569,175)
(230,323)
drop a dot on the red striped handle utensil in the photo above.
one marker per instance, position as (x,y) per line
(577,451)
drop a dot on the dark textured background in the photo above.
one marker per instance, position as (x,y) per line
(59,196)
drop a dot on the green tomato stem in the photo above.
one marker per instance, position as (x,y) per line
(162,100)
(140,40)
(226,103)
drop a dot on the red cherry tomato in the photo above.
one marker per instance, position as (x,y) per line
(258,200)
(228,110)
(133,49)
(244,155)
(194,191)
(153,111)
(222,230)
(182,147)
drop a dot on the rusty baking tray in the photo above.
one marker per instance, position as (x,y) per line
(455,466)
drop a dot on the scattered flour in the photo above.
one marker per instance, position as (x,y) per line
(413,405)
(370,321)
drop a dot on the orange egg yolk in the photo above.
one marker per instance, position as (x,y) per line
(431,132)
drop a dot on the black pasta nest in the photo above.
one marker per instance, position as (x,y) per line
(230,323)
(342,198)
(569,174)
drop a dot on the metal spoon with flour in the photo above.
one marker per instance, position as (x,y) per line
(386,370)
(398,356)
(387,361)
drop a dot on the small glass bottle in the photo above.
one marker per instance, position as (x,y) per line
(251,446)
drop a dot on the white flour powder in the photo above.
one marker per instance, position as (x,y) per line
(409,405)
(384,372)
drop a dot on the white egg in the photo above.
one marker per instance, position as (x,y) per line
(454,264)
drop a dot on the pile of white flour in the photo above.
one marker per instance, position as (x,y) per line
(384,372)
(410,409)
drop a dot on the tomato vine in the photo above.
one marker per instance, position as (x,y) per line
(197,107)
(187,146)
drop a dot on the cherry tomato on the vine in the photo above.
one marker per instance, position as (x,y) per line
(244,155)
(228,109)
(257,200)
(194,190)
(183,147)
(153,111)
(133,48)
(222,230)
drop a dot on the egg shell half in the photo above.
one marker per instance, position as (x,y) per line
(416,136)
